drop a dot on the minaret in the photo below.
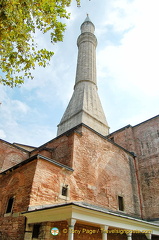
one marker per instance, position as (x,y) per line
(85,106)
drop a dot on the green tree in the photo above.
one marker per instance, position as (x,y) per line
(19,19)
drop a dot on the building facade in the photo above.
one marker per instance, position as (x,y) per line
(85,183)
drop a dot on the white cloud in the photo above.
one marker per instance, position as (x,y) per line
(20,123)
(121,14)
(19,107)
(134,63)
(129,68)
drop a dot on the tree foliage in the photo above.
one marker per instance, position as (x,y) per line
(19,20)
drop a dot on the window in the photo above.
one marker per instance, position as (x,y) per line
(10,205)
(64,190)
(120,203)
(36,231)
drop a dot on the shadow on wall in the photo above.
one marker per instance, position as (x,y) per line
(4,236)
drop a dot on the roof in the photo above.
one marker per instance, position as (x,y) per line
(14,145)
(84,205)
(23,146)
(38,156)
(80,204)
(146,120)
(127,126)
(74,129)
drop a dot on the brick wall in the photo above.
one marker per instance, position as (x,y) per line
(102,172)
(124,137)
(147,148)
(15,184)
(59,149)
(12,228)
(18,184)
(46,184)
(10,155)
(143,139)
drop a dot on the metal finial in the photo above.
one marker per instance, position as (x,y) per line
(87,18)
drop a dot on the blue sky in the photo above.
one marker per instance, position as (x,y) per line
(127,72)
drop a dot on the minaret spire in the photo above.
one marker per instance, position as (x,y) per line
(85,106)
(86,42)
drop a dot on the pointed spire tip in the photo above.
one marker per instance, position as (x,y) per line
(87,18)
